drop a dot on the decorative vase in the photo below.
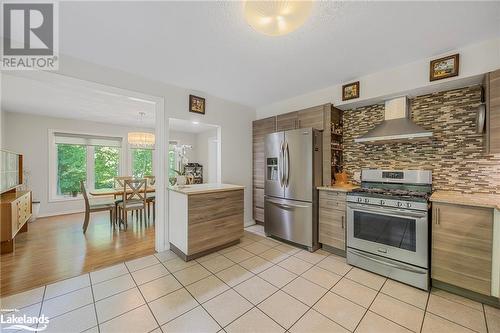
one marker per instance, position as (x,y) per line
(181,180)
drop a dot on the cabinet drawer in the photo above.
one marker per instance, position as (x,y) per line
(332,204)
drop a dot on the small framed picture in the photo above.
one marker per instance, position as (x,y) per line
(350,91)
(444,68)
(196,104)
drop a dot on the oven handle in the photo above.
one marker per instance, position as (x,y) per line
(387,210)
(383,262)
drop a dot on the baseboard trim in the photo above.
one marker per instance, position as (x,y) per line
(490,300)
(69,212)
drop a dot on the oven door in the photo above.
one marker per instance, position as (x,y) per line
(389,232)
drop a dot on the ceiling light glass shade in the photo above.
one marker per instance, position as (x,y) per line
(275,18)
(141,139)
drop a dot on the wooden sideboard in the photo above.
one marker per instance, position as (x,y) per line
(15,212)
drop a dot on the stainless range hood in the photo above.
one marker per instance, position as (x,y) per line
(397,125)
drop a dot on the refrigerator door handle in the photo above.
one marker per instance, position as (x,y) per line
(281,163)
(287,165)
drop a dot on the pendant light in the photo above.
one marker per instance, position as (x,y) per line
(277,17)
(141,139)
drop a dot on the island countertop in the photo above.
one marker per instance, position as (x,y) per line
(205,188)
(468,199)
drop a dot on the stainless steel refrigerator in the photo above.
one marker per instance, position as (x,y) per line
(293,171)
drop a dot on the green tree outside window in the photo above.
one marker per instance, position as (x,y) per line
(71,168)
(106,166)
(142,162)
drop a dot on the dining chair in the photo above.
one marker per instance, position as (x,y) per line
(119,182)
(134,199)
(150,197)
(92,207)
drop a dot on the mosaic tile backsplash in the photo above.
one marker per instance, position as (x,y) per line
(456,153)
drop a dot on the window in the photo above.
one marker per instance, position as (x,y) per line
(142,162)
(71,168)
(106,166)
(76,157)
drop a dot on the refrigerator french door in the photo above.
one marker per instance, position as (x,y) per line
(293,167)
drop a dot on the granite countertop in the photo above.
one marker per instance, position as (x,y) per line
(485,200)
(205,188)
(338,188)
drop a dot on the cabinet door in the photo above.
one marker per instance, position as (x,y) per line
(287,121)
(261,128)
(493,94)
(332,224)
(462,246)
(312,117)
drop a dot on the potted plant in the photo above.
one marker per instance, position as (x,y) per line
(180,178)
(181,152)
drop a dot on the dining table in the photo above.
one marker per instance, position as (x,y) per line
(116,191)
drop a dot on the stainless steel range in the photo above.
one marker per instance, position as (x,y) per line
(388,225)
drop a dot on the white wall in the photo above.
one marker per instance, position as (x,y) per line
(205,155)
(186,138)
(28,134)
(2,129)
(413,78)
(234,119)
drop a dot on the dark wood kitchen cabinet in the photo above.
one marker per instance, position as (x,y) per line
(462,240)
(492,99)
(260,129)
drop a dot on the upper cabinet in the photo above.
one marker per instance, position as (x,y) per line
(492,98)
(312,117)
(287,121)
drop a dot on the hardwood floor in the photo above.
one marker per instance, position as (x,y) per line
(55,248)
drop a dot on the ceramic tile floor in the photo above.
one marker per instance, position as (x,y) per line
(260,285)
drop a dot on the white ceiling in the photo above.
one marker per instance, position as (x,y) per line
(207,46)
(62,99)
(181,125)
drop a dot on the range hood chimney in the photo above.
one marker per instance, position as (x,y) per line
(397,125)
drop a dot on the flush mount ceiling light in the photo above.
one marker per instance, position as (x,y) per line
(141,139)
(277,17)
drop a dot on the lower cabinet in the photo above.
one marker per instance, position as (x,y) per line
(462,239)
(332,219)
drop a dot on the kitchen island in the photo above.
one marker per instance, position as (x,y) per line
(204,218)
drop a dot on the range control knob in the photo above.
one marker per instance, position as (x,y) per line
(400,204)
(367,200)
(360,200)
(408,204)
(382,202)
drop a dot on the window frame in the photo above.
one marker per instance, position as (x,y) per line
(52,154)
